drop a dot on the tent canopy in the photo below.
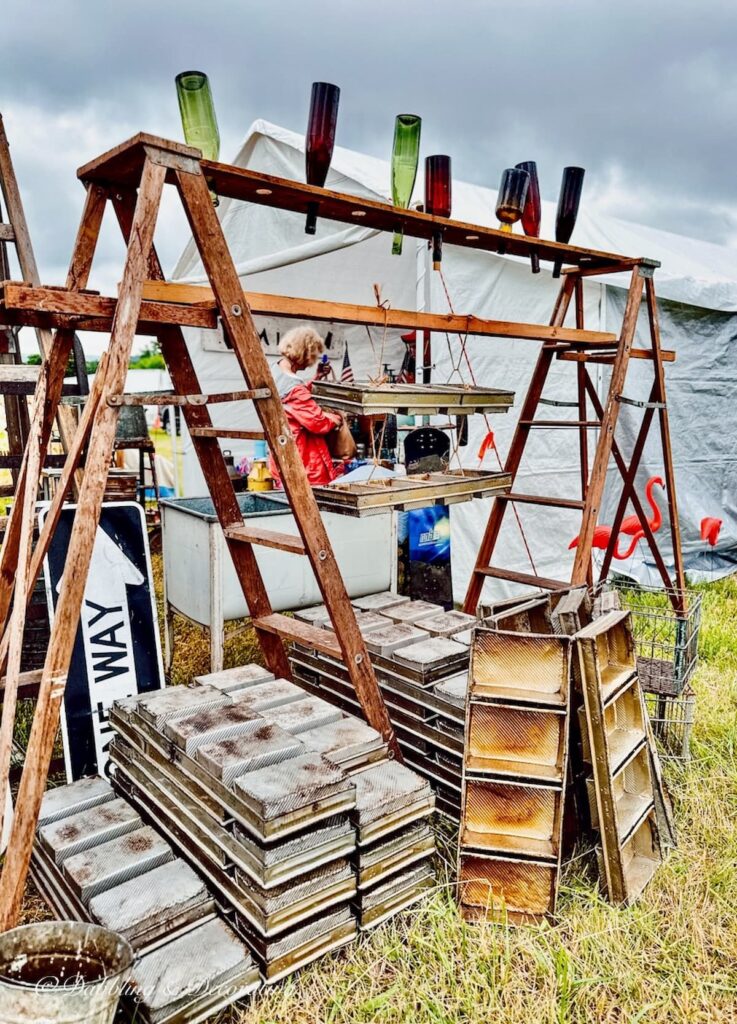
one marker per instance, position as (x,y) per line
(697,289)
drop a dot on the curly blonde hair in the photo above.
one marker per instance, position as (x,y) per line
(302,346)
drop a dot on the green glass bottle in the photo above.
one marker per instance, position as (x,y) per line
(198,114)
(405,157)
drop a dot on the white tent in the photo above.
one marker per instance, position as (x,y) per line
(697,289)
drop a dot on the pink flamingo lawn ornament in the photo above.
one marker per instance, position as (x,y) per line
(710,530)
(631,526)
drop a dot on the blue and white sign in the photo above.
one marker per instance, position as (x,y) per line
(117,651)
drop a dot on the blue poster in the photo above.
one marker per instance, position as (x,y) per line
(429,535)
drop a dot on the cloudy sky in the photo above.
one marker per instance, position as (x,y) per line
(644,95)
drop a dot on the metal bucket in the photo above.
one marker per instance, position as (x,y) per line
(62,972)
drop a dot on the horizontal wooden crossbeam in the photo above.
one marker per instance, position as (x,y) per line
(349,313)
(194,306)
(122,166)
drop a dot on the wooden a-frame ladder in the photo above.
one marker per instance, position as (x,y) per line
(607,413)
(135,196)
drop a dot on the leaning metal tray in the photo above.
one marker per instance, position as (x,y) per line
(367,399)
(370,497)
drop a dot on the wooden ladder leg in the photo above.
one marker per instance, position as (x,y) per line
(28,267)
(18,614)
(628,483)
(516,450)
(606,433)
(633,496)
(184,378)
(63,487)
(583,437)
(239,325)
(81,543)
(679,598)
(44,415)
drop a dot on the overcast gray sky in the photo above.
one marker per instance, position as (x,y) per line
(644,95)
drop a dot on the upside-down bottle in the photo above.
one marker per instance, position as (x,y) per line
(437,199)
(405,157)
(319,141)
(532,213)
(511,199)
(197,111)
(569,199)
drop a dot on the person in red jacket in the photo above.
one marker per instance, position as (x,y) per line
(300,349)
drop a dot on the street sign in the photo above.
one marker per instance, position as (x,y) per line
(117,651)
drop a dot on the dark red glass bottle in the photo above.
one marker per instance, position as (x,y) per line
(320,140)
(569,199)
(532,212)
(437,199)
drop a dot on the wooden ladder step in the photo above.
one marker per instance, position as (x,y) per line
(238,435)
(567,356)
(162,398)
(556,424)
(301,632)
(522,577)
(6,233)
(266,538)
(543,499)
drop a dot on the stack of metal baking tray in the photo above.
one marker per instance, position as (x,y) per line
(411,663)
(394,840)
(95,860)
(515,760)
(233,789)
(371,399)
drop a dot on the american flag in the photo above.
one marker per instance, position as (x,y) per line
(346,373)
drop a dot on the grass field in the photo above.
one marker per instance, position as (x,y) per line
(671,959)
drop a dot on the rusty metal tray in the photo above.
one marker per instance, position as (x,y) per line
(370,399)
(529,668)
(84,829)
(193,976)
(389,796)
(387,857)
(416,490)
(505,889)
(286,954)
(376,905)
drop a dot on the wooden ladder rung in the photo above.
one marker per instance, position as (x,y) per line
(266,538)
(543,499)
(153,398)
(522,577)
(558,424)
(668,355)
(238,435)
(301,632)
(6,233)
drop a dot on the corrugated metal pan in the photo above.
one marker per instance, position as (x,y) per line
(525,667)
(289,952)
(378,904)
(387,857)
(505,889)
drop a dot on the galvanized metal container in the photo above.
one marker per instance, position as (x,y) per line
(62,973)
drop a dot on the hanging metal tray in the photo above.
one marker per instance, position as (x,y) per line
(372,497)
(367,399)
